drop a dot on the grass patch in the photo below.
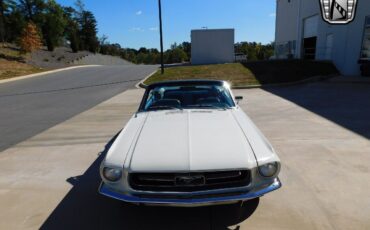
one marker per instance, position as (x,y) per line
(10,52)
(10,69)
(12,63)
(250,73)
(235,73)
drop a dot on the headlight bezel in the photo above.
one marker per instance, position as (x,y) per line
(263,169)
(111,174)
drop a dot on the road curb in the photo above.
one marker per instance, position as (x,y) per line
(141,84)
(308,80)
(44,73)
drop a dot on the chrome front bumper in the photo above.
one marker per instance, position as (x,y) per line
(104,190)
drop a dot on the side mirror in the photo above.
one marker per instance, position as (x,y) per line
(238,99)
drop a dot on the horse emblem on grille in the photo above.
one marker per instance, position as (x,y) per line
(189,180)
(338,11)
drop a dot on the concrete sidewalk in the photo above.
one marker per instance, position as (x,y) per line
(325,166)
(51,180)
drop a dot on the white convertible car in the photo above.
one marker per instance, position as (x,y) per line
(189,144)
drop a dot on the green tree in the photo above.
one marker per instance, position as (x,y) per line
(131,56)
(53,28)
(269,50)
(186,46)
(33,10)
(255,51)
(6,9)
(143,50)
(71,30)
(3,9)
(110,49)
(88,32)
(151,58)
(259,51)
(140,58)
(15,22)
(176,55)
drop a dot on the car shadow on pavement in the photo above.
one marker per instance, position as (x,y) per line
(84,208)
(345,104)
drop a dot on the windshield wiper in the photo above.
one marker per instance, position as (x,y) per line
(163,107)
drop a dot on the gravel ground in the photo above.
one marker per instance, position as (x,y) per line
(99,59)
(64,57)
(59,58)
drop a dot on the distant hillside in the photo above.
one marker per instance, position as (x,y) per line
(59,58)
(13,63)
(99,59)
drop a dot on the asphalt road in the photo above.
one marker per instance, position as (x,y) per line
(33,105)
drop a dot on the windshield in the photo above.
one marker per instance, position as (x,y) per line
(188,97)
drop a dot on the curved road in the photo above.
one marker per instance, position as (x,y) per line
(33,105)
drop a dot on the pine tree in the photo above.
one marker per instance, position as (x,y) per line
(4,10)
(54,25)
(15,22)
(30,39)
(2,21)
(32,9)
(71,30)
(73,37)
(88,32)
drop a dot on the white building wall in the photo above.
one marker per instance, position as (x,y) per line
(286,36)
(212,46)
(346,39)
(285,12)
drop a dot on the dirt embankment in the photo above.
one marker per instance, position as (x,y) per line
(13,63)
(59,58)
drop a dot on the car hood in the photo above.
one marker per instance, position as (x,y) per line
(190,140)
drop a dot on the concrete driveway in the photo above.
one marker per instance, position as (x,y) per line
(50,181)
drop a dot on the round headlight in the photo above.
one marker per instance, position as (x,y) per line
(268,170)
(112,174)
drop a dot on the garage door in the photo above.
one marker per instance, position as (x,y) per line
(311,26)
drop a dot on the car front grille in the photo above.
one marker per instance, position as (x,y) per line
(189,182)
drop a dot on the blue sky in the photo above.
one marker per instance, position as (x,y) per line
(134,23)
